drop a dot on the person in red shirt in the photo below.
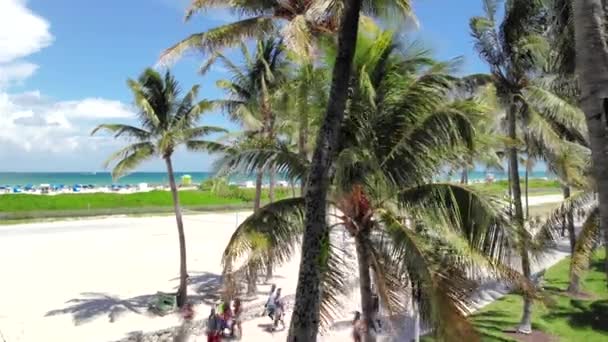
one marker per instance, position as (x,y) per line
(238,310)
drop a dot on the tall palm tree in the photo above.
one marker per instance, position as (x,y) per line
(516,52)
(303,20)
(167,122)
(306,94)
(252,95)
(395,215)
(592,69)
(566,83)
(250,90)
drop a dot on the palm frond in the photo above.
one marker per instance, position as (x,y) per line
(120,130)
(271,233)
(542,132)
(297,36)
(220,37)
(487,42)
(205,146)
(201,131)
(550,232)
(480,218)
(555,108)
(334,282)
(130,157)
(279,158)
(387,276)
(445,291)
(147,113)
(185,106)
(588,238)
(390,10)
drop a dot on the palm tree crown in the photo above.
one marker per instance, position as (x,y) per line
(166,122)
(299,22)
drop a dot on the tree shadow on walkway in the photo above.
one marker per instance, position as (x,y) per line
(95,304)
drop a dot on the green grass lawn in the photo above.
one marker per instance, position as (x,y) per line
(24,206)
(569,319)
(24,202)
(536,187)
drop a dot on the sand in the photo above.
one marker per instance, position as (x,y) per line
(91,280)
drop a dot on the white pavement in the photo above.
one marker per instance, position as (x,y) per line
(91,280)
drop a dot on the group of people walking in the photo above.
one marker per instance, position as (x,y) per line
(225,317)
(275,307)
(225,320)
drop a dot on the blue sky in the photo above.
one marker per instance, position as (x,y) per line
(64,63)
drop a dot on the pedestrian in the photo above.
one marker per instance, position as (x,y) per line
(184,330)
(376,323)
(359,327)
(236,318)
(226,317)
(279,313)
(272,305)
(269,299)
(188,312)
(213,327)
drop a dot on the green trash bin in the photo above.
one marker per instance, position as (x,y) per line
(164,303)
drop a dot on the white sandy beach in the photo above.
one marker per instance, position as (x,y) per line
(91,280)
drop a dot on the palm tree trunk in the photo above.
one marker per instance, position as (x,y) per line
(525,326)
(574,285)
(509,183)
(592,69)
(365,287)
(182,292)
(464,176)
(305,319)
(251,276)
(292,184)
(303,143)
(416,321)
(258,190)
(566,194)
(526,190)
(416,310)
(271,184)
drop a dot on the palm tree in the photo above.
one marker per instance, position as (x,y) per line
(303,20)
(167,122)
(306,93)
(479,87)
(396,217)
(250,89)
(516,52)
(592,69)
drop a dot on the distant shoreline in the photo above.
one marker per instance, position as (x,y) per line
(26,206)
(157,179)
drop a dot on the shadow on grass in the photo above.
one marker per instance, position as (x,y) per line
(597,266)
(585,314)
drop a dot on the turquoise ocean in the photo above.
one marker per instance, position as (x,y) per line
(154,178)
(94,178)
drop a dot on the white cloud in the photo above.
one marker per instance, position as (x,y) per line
(93,108)
(32,123)
(15,73)
(22,32)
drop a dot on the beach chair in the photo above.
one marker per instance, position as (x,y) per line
(163,303)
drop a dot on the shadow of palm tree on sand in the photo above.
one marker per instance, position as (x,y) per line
(95,304)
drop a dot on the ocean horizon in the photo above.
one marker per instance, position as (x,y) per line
(95,178)
(160,178)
